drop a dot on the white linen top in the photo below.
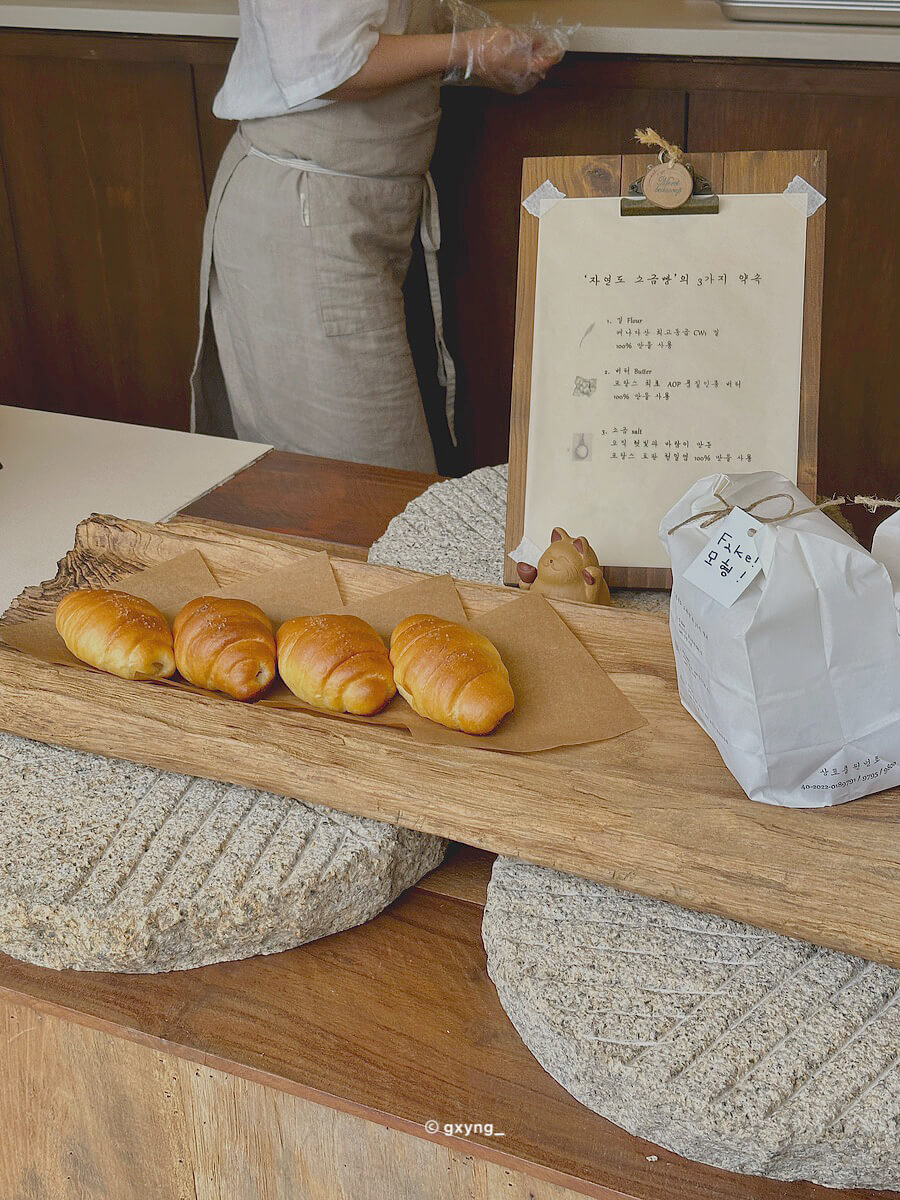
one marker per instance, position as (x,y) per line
(290,52)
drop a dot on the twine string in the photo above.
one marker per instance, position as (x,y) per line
(649,137)
(711,515)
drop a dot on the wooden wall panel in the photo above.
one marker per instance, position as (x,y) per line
(15,347)
(478,168)
(87,1115)
(106,196)
(214,134)
(858,409)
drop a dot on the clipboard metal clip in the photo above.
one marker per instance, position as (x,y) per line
(702,199)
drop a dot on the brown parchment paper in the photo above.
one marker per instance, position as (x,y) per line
(169,585)
(563,696)
(301,589)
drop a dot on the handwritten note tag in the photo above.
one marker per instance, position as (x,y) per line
(730,561)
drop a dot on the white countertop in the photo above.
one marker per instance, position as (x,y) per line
(694,28)
(59,469)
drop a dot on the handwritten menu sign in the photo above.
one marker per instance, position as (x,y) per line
(665,348)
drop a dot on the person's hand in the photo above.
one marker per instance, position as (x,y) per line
(508,59)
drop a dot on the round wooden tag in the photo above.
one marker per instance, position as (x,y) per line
(668,184)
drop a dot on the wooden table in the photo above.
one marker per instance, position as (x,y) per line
(312,1074)
(345,505)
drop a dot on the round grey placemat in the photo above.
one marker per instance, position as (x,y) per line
(717,1040)
(110,866)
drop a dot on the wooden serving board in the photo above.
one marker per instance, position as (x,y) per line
(653,811)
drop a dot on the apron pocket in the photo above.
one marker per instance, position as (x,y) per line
(362,231)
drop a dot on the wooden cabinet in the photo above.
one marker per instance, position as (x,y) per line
(478,169)
(859,416)
(109,149)
(15,365)
(591,104)
(105,212)
(214,134)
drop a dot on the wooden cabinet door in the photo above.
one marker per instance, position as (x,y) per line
(107,204)
(859,426)
(214,133)
(15,347)
(478,169)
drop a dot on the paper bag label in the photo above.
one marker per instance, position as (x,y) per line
(849,772)
(730,561)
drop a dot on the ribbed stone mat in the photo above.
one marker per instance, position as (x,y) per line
(110,866)
(720,1042)
(717,1040)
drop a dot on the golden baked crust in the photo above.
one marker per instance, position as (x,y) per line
(225,646)
(450,674)
(336,662)
(117,633)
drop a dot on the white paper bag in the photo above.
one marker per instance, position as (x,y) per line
(886,548)
(798,682)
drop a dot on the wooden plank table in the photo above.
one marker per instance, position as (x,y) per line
(313,1073)
(345,505)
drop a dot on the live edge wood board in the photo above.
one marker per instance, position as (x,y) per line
(744,173)
(653,811)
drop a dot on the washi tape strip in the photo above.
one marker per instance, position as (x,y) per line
(543,198)
(814,198)
(526,552)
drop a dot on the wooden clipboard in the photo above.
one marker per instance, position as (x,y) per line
(745,172)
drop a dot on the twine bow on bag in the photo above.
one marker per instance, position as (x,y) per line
(711,515)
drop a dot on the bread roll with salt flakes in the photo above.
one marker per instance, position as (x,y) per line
(450,674)
(336,662)
(117,633)
(225,646)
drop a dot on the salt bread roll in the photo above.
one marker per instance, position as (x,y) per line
(336,662)
(450,674)
(118,633)
(226,646)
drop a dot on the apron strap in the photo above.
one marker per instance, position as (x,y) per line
(305,164)
(431,243)
(430,230)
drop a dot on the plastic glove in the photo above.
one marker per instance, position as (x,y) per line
(510,58)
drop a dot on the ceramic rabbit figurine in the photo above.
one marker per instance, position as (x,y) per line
(567,570)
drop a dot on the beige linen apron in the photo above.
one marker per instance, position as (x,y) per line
(306,247)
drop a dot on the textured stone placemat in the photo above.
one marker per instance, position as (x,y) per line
(720,1042)
(110,866)
(717,1040)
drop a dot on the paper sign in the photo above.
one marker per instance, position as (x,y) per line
(665,348)
(730,561)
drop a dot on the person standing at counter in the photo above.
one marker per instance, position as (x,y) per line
(312,214)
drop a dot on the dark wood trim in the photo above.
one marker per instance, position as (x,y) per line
(578,70)
(104,47)
(15,340)
(755,75)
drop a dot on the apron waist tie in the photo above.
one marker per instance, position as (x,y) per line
(430,231)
